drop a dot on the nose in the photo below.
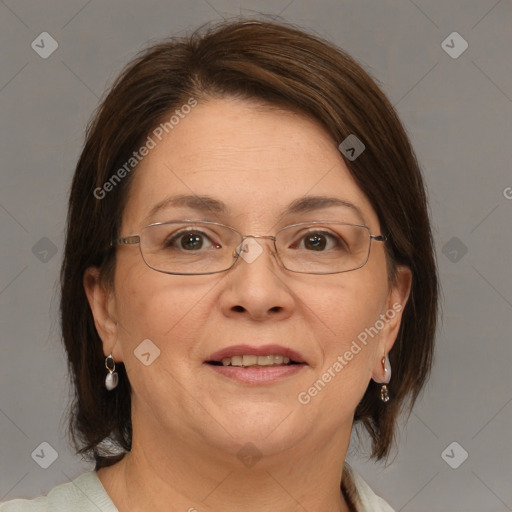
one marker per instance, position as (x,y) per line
(256,286)
(249,248)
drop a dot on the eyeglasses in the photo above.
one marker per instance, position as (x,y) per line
(189,247)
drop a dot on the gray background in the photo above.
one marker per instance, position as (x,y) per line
(458,114)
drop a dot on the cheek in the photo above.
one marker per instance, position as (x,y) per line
(346,315)
(348,307)
(165,309)
(340,377)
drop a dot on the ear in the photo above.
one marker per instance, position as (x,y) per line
(394,306)
(103,306)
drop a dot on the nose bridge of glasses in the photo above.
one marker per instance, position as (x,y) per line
(250,250)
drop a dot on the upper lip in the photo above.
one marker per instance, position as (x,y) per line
(251,350)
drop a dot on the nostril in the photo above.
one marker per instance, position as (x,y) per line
(240,309)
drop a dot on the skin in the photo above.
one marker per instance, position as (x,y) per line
(188,421)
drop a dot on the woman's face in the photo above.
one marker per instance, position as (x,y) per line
(256,161)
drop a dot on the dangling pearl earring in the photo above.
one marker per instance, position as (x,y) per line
(112,378)
(386,366)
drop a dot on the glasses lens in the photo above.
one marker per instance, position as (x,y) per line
(323,248)
(191,248)
(188,247)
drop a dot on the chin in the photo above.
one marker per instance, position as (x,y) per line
(270,429)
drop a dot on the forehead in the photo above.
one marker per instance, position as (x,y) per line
(255,160)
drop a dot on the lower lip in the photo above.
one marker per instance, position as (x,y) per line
(261,375)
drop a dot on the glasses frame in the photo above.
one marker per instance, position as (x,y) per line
(135,239)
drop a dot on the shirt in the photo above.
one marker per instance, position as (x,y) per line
(86,494)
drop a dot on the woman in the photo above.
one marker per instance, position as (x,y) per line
(248,274)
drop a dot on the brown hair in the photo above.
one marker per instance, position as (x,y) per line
(279,65)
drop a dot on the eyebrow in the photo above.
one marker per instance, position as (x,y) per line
(208,204)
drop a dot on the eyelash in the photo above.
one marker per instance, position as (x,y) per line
(169,242)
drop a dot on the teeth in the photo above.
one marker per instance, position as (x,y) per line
(237,361)
(249,360)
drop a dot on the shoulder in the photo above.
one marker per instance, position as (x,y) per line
(84,493)
(368,500)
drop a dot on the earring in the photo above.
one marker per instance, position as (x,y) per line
(386,366)
(112,378)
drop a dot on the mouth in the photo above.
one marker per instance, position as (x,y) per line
(252,360)
(256,365)
(249,356)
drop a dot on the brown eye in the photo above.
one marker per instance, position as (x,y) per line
(315,242)
(320,241)
(191,241)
